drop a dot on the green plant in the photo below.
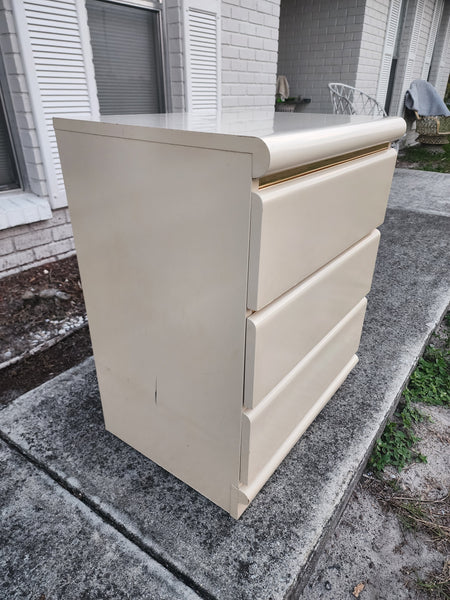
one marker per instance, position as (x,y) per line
(395,448)
(430,384)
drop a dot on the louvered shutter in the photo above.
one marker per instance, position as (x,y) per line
(411,58)
(388,49)
(437,14)
(202,56)
(127,58)
(57,75)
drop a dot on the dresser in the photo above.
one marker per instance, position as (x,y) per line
(225,261)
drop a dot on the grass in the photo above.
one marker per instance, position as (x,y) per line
(429,384)
(437,585)
(421,158)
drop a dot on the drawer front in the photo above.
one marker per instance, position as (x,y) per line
(281,334)
(293,404)
(300,225)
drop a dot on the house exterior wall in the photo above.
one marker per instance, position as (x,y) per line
(30,231)
(371,48)
(413,44)
(20,98)
(50,236)
(440,64)
(319,43)
(249,52)
(34,244)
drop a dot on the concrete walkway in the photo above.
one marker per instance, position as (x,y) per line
(85,516)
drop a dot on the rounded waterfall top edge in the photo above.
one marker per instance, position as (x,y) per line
(276,140)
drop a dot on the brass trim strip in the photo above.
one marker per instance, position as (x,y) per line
(288,174)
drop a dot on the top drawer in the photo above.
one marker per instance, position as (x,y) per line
(300,225)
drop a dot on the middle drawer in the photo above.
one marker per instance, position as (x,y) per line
(281,334)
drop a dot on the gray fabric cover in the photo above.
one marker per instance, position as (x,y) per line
(424,99)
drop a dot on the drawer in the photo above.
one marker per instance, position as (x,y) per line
(282,333)
(271,429)
(299,225)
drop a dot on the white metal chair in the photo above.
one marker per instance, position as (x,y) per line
(348,100)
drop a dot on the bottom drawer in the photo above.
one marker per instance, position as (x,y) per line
(271,429)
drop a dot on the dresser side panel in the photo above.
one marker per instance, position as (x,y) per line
(161,233)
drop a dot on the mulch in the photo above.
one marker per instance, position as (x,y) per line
(39,307)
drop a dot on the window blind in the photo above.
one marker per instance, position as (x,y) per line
(127,58)
(8,172)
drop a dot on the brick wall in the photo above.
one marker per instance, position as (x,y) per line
(32,245)
(372,43)
(249,52)
(319,44)
(26,246)
(17,88)
(174,28)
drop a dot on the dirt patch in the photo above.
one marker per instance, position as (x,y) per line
(393,539)
(43,326)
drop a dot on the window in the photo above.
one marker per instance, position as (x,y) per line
(126,48)
(8,172)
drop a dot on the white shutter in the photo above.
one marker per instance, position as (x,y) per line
(437,14)
(57,76)
(388,50)
(442,75)
(411,58)
(202,55)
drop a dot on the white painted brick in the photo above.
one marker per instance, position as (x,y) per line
(53,249)
(255,42)
(62,232)
(9,43)
(237,39)
(6,22)
(36,171)
(247,53)
(16,259)
(256,17)
(230,51)
(239,13)
(6,246)
(13,63)
(17,83)
(38,186)
(24,121)
(21,103)
(249,29)
(32,239)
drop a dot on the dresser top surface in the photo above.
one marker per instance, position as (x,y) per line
(255,123)
(276,140)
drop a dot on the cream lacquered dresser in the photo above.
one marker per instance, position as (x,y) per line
(225,262)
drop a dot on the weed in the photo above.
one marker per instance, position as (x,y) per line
(438,584)
(430,384)
(395,448)
(422,158)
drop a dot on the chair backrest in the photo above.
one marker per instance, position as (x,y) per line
(348,100)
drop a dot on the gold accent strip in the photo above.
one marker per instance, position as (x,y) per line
(295,172)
